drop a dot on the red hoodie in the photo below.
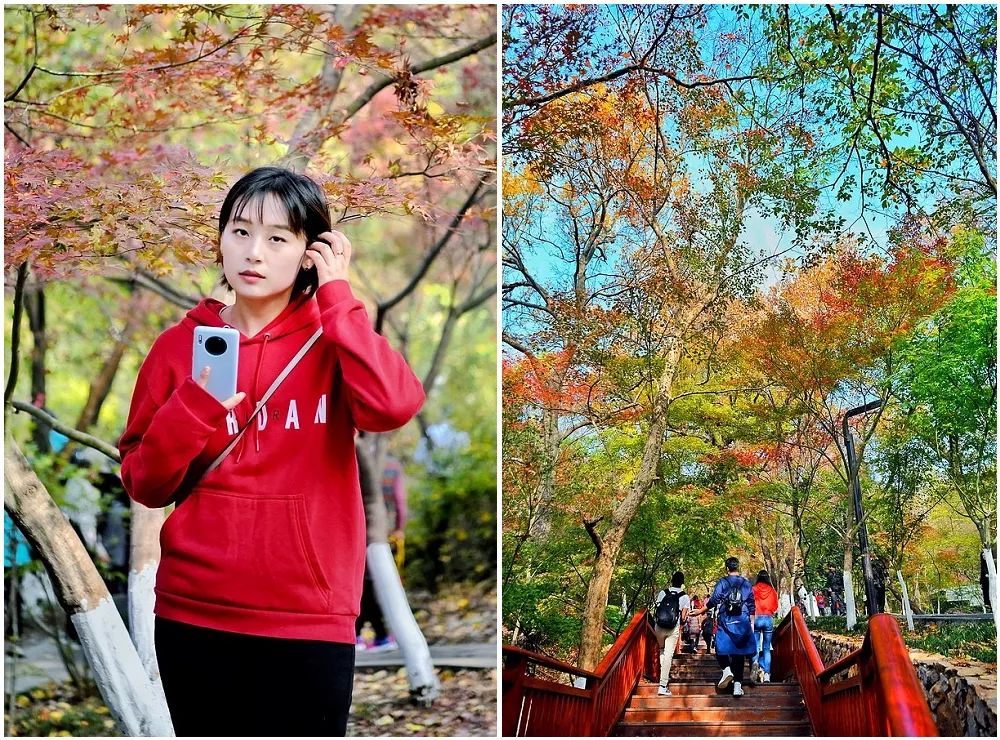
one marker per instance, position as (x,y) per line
(272,542)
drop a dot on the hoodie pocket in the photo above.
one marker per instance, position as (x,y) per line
(250,552)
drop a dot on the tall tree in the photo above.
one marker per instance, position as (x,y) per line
(390,108)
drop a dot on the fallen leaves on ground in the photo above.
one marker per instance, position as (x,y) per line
(457,614)
(466,707)
(54,710)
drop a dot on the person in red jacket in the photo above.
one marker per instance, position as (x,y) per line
(766,600)
(259,581)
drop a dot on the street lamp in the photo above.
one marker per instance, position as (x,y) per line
(855,485)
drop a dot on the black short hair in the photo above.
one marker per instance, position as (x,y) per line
(677,579)
(732,564)
(304,202)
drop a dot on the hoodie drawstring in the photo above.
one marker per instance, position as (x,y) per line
(255,422)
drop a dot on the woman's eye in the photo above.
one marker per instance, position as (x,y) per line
(278,238)
(239,232)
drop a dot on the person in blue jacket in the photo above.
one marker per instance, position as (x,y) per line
(733,594)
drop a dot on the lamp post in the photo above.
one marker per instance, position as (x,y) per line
(859,515)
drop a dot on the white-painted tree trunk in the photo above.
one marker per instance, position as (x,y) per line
(784,605)
(991,570)
(119,674)
(852,614)
(812,608)
(141,621)
(144,560)
(907,609)
(391,598)
(140,711)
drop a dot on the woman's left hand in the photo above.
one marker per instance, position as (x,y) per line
(331,259)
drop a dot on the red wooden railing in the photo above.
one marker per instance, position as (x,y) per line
(880,696)
(535,707)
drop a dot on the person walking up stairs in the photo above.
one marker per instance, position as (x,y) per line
(671,611)
(735,637)
(766,604)
(697,708)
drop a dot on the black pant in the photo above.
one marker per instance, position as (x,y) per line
(734,662)
(224,684)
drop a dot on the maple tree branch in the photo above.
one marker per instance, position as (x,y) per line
(518,264)
(875,59)
(591,526)
(27,76)
(384,306)
(82,437)
(508,302)
(16,135)
(34,61)
(15,331)
(516,344)
(160,288)
(475,300)
(173,65)
(638,67)
(376,87)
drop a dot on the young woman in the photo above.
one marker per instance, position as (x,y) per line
(259,580)
(766,604)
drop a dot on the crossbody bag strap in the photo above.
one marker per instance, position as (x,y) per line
(260,404)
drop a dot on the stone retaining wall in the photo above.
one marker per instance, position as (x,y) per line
(962,694)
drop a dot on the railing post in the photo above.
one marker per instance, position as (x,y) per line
(513,697)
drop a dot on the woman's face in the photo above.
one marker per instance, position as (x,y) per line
(261,260)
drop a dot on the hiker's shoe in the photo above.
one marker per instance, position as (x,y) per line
(664,691)
(727,677)
(383,645)
(737,689)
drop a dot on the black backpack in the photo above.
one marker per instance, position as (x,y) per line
(668,611)
(732,602)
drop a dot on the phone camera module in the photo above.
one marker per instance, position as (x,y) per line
(216,345)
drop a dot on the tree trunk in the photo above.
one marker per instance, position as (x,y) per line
(592,629)
(144,559)
(849,605)
(542,523)
(101,385)
(594,607)
(34,304)
(81,592)
(389,591)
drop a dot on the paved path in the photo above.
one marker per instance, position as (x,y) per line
(472,655)
(37,664)
(40,661)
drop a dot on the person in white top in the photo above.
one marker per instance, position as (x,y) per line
(671,611)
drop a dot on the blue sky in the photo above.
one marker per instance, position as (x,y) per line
(762,233)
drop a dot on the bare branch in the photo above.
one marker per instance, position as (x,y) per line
(74,434)
(429,258)
(376,87)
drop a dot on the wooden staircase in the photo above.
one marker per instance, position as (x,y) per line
(699,709)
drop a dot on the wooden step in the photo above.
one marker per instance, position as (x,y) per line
(694,675)
(708,688)
(712,715)
(750,699)
(715,729)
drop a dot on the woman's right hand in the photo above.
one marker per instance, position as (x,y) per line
(230,403)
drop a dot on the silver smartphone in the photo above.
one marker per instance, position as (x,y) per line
(219,349)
